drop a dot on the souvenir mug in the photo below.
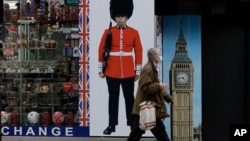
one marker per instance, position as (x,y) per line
(2,87)
(44,89)
(67,86)
(47,44)
(52,43)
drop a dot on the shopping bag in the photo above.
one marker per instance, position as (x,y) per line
(147,115)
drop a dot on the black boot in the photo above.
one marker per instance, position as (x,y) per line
(109,130)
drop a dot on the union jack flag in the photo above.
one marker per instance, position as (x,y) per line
(83,109)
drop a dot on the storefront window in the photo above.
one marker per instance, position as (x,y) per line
(39,63)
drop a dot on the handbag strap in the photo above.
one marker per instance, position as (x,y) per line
(146,94)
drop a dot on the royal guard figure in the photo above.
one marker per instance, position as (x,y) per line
(120,60)
(14,118)
(70,119)
(45,118)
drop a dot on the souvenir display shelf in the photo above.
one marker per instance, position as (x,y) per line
(38,72)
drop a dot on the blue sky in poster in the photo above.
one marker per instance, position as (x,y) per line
(191,25)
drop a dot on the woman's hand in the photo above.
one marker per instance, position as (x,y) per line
(164,86)
(137,77)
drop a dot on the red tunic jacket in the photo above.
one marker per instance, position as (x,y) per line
(125,58)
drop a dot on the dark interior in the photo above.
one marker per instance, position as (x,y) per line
(225,61)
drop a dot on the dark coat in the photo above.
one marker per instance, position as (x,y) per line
(149,84)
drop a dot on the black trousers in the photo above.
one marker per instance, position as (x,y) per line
(158,131)
(114,93)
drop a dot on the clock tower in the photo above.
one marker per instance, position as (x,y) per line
(181,84)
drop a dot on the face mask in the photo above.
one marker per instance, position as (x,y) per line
(160,59)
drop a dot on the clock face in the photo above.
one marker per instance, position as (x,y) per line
(182,78)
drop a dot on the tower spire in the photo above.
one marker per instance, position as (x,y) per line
(181,38)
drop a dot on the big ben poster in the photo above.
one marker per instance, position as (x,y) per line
(181,68)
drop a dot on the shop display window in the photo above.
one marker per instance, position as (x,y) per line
(39,64)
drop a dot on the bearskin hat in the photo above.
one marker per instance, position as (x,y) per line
(121,7)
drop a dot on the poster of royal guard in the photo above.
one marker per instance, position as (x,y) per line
(121,31)
(179,37)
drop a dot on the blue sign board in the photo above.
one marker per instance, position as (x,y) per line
(48,131)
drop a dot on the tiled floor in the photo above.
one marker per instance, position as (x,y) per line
(7,138)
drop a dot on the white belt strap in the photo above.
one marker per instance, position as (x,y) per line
(121,53)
